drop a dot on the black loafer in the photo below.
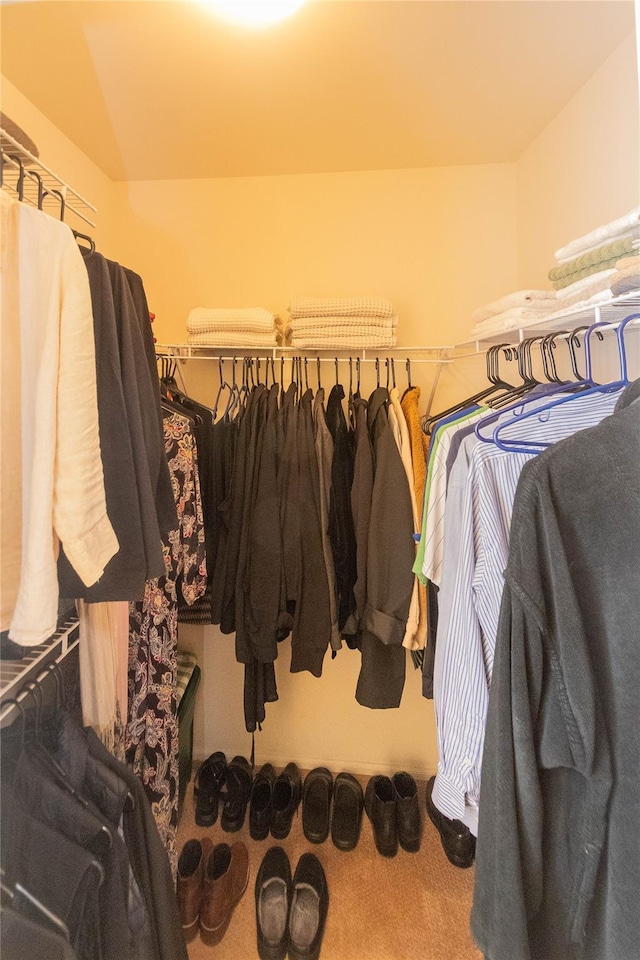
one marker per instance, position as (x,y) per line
(273,900)
(346,817)
(408,819)
(316,805)
(236,794)
(458,842)
(380,804)
(260,806)
(285,799)
(208,782)
(309,906)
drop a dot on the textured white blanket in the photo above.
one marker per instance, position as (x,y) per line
(248,319)
(625,226)
(342,340)
(343,324)
(510,320)
(237,338)
(340,307)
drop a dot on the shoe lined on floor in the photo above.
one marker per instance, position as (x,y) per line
(189,884)
(237,791)
(316,804)
(260,805)
(273,901)
(458,842)
(285,799)
(309,906)
(209,779)
(408,819)
(346,816)
(225,878)
(380,804)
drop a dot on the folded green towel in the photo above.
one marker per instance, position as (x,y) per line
(587,271)
(598,258)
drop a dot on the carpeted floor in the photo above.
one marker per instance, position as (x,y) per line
(411,907)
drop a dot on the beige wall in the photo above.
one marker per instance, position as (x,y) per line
(584,168)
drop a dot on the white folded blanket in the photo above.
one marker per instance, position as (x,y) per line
(343,324)
(601,296)
(625,226)
(203,319)
(217,338)
(582,289)
(341,307)
(533,299)
(342,341)
(510,320)
(362,330)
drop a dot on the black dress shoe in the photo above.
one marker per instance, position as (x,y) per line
(458,842)
(260,806)
(273,899)
(380,804)
(408,819)
(346,817)
(208,782)
(236,794)
(316,804)
(309,906)
(285,799)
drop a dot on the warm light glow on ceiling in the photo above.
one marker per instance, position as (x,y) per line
(254,13)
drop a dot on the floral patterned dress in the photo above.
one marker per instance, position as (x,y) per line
(151,741)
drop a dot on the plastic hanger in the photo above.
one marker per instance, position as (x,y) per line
(516,445)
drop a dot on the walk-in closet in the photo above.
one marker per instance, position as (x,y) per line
(320,488)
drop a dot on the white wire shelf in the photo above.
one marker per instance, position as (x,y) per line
(14,674)
(38,185)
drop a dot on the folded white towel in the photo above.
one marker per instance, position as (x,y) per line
(361,330)
(617,229)
(340,307)
(338,340)
(533,299)
(343,324)
(601,296)
(585,287)
(510,320)
(217,338)
(202,319)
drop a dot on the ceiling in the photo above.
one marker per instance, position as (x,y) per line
(160,89)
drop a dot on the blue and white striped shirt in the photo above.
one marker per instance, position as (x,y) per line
(480,497)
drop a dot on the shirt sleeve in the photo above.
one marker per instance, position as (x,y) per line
(509,868)
(460,680)
(79,506)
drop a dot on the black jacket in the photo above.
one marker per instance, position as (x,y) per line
(341,529)
(558,854)
(390,556)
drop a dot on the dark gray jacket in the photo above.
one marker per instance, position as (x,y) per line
(558,856)
(390,556)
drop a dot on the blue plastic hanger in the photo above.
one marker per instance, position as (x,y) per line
(538,446)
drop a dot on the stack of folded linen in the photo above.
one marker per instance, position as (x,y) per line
(626,276)
(235,327)
(586,267)
(512,311)
(358,322)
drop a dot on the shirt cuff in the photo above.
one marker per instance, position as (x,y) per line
(448,797)
(89,554)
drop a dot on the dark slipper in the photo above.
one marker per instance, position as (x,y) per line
(206,791)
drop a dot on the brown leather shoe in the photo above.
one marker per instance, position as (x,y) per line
(226,874)
(190,879)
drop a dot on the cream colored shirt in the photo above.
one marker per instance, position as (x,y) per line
(56,427)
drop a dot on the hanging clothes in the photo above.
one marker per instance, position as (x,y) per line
(151,742)
(479,502)
(390,555)
(53,427)
(558,857)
